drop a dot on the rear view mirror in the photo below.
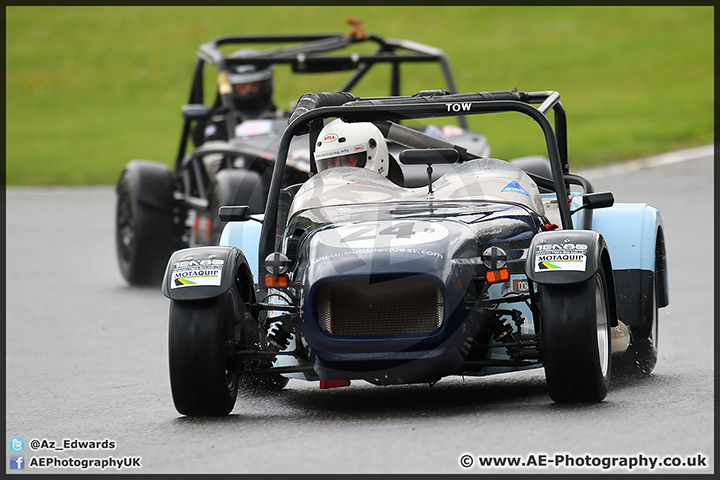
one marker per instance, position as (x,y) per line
(234,214)
(195,111)
(598,200)
(592,201)
(428,156)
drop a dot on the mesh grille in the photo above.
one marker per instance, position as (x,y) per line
(396,306)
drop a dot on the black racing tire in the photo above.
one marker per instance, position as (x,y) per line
(641,356)
(575,323)
(203,380)
(145,231)
(234,187)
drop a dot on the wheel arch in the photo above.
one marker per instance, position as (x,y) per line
(152,183)
(661,278)
(565,256)
(214,270)
(634,233)
(610,278)
(596,255)
(245,284)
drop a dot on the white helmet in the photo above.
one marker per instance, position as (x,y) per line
(352,144)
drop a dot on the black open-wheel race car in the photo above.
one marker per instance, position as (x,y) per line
(160,209)
(367,273)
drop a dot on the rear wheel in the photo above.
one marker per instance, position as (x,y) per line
(641,356)
(145,231)
(576,340)
(203,380)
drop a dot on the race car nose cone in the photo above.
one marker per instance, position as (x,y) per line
(494,258)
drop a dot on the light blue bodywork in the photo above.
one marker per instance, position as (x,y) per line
(630,231)
(246,237)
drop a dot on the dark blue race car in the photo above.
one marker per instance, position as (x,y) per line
(451,263)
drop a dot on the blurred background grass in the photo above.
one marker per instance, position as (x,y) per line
(90,88)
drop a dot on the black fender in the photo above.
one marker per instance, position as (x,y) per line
(152,183)
(564,257)
(205,272)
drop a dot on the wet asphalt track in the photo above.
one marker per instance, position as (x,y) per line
(87,360)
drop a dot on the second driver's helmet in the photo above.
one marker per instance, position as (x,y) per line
(252,86)
(359,144)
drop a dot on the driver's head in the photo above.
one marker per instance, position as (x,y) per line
(252,86)
(359,144)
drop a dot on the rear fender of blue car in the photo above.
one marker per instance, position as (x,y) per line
(635,238)
(634,235)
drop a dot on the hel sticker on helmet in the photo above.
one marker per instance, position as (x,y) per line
(330,137)
(340,151)
(515,187)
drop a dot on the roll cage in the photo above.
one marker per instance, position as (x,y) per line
(386,110)
(308,54)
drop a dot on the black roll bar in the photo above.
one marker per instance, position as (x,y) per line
(302,58)
(394,108)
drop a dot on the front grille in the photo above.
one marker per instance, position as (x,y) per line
(380,306)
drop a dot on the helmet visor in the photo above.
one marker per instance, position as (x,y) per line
(252,98)
(243,90)
(349,160)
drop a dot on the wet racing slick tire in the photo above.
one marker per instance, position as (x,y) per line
(203,380)
(145,231)
(575,325)
(641,356)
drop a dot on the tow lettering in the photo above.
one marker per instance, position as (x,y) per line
(458,107)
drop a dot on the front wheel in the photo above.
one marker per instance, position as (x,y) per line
(203,380)
(575,325)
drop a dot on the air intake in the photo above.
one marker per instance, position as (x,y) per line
(380,306)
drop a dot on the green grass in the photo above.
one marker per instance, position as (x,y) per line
(90,88)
